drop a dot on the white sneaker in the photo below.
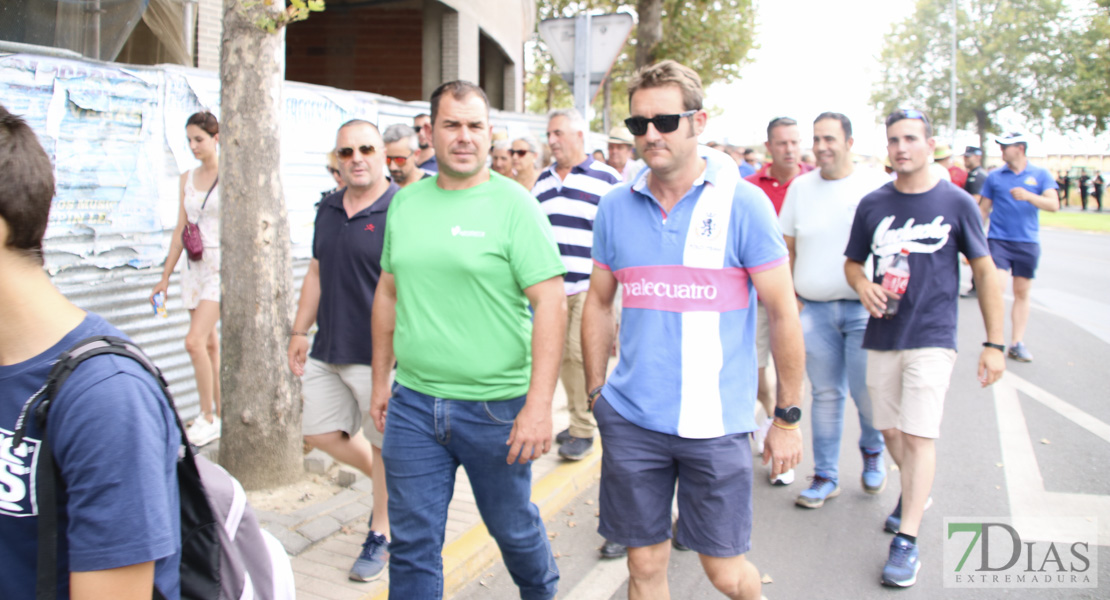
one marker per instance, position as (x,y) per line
(201,432)
(785,478)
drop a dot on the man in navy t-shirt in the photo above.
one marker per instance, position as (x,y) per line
(1011,199)
(113,434)
(911,354)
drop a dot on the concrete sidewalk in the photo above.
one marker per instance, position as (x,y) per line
(324,538)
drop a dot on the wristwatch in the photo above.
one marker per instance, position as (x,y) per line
(791,415)
(998,347)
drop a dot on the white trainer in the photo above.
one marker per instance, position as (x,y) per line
(201,432)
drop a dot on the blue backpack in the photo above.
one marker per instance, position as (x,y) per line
(224,553)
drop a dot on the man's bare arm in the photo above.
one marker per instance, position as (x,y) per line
(776,290)
(307,307)
(599,326)
(992,362)
(383,320)
(133,582)
(531,434)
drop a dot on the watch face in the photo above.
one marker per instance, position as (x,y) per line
(790,415)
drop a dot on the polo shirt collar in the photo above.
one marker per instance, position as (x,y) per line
(710,174)
(336,201)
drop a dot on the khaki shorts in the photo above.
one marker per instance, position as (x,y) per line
(762,336)
(337,398)
(907,388)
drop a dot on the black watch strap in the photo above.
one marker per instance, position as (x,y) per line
(998,347)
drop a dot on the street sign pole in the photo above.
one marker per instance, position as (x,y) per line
(582,65)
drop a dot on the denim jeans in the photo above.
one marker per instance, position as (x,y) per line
(426,439)
(836,363)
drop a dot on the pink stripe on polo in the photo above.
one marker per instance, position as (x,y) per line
(679,289)
(769,265)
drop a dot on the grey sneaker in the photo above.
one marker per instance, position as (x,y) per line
(577,448)
(563,436)
(372,560)
(820,490)
(1020,353)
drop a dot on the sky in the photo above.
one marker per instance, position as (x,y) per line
(816,56)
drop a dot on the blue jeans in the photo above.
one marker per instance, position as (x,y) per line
(426,439)
(836,363)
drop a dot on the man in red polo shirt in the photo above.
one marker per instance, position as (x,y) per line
(784,144)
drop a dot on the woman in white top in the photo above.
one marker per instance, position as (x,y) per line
(200,283)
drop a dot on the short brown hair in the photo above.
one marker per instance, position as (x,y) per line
(206,121)
(669,72)
(458,89)
(26,185)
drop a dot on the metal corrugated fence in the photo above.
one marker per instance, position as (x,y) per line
(122,297)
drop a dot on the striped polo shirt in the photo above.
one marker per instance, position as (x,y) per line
(571,205)
(688,323)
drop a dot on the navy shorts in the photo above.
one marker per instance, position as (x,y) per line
(1019,257)
(639,468)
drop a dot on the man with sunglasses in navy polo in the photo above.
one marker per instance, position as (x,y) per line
(337,295)
(690,244)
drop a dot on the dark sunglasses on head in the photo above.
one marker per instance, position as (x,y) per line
(400,160)
(663,123)
(520,153)
(906,113)
(349,152)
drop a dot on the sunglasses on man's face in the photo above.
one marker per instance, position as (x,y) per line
(346,153)
(663,123)
(520,153)
(399,160)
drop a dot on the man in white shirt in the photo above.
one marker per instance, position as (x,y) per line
(816,220)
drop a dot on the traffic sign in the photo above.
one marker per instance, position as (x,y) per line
(585,48)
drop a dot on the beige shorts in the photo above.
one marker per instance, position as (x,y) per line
(201,280)
(337,398)
(762,336)
(907,388)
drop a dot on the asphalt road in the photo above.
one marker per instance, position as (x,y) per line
(1033,448)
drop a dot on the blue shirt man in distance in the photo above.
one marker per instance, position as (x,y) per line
(1011,199)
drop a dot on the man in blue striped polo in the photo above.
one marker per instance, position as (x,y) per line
(568,192)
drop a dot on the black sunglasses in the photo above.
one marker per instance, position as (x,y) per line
(663,123)
(349,152)
(519,152)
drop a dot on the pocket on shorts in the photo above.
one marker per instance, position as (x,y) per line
(503,412)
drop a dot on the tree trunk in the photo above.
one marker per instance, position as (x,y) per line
(649,32)
(261,439)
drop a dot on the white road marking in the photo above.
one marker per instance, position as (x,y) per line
(1037,512)
(602,581)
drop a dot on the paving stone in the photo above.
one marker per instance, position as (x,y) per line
(345,497)
(364,484)
(347,477)
(265,516)
(350,512)
(318,462)
(320,528)
(293,542)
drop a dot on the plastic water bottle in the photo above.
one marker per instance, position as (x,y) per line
(160,305)
(896,279)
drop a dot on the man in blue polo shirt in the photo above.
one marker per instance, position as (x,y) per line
(691,245)
(337,294)
(1011,197)
(568,192)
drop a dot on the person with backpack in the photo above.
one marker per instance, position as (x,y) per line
(114,438)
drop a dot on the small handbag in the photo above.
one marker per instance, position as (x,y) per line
(190,236)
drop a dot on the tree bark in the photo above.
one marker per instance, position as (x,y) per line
(649,31)
(982,122)
(261,439)
(607,106)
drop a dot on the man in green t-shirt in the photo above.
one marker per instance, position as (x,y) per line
(466,253)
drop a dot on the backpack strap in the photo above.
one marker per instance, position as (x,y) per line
(47,477)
